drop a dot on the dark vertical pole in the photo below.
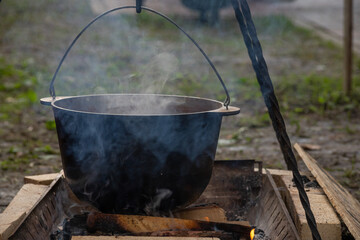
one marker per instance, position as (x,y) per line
(247,27)
(348,27)
(138,6)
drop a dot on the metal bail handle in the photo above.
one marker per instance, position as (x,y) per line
(138,8)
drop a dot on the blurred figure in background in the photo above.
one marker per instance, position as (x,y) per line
(208,9)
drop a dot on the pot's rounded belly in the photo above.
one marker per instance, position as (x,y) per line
(139,186)
(137,164)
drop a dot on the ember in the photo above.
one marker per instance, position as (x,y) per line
(252,234)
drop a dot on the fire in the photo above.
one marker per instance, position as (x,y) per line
(207,219)
(252,234)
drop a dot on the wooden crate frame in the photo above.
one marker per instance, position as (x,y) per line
(45,214)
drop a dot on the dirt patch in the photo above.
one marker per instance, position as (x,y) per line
(338,143)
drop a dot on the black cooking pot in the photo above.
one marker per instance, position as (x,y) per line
(136,153)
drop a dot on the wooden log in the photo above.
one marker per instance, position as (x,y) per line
(208,213)
(139,238)
(344,203)
(143,224)
(197,234)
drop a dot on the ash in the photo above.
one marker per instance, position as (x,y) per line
(260,235)
(71,226)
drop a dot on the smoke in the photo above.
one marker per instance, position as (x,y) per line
(66,207)
(152,208)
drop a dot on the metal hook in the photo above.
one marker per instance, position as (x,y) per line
(138,6)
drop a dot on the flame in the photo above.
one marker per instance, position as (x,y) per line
(252,234)
(207,219)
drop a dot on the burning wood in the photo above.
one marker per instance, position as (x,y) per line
(139,225)
(207,213)
(138,238)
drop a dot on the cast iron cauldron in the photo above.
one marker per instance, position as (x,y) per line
(137,153)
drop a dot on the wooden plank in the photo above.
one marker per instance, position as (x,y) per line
(139,238)
(270,213)
(344,203)
(9,223)
(287,217)
(310,147)
(328,223)
(275,172)
(44,179)
(49,211)
(19,208)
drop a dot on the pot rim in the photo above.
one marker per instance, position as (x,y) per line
(220,110)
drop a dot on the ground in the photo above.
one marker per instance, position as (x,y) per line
(306,71)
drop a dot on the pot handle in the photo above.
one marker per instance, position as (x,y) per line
(52,89)
(227,111)
(46,101)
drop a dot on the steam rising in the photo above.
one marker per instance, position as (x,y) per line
(161,68)
(122,54)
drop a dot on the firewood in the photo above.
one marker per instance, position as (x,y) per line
(143,224)
(209,213)
(138,238)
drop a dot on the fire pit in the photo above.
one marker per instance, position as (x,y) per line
(235,198)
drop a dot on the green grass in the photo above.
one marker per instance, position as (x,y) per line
(50,125)
(318,94)
(114,54)
(352,175)
(13,163)
(17,88)
(256,121)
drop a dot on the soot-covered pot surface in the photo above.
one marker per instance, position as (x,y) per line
(138,153)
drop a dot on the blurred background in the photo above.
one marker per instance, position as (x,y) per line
(127,52)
